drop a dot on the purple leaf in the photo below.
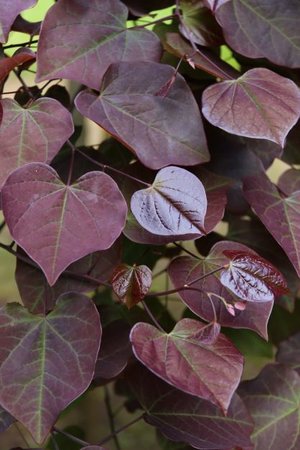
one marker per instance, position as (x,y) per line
(32,134)
(48,218)
(273,401)
(214,4)
(79,40)
(281,216)
(159,130)
(47,361)
(5,420)
(185,418)
(20,57)
(251,277)
(272,103)
(207,370)
(175,204)
(258,29)
(8,13)
(131,283)
(39,297)
(289,182)
(289,352)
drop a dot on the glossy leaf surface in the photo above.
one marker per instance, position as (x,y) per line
(58,215)
(8,12)
(272,103)
(184,418)
(289,352)
(273,401)
(281,216)
(32,134)
(131,283)
(175,204)
(159,129)
(94,36)
(267,29)
(21,56)
(47,362)
(184,359)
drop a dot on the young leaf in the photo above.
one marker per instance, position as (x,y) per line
(5,420)
(251,277)
(47,361)
(175,204)
(32,134)
(268,29)
(289,352)
(185,360)
(79,40)
(8,13)
(48,218)
(272,103)
(160,130)
(273,401)
(21,56)
(131,284)
(184,418)
(281,216)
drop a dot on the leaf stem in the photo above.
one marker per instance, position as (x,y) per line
(111,417)
(71,437)
(148,311)
(22,44)
(119,430)
(186,250)
(23,83)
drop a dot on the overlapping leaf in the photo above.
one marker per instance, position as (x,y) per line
(32,134)
(21,56)
(94,36)
(272,103)
(47,361)
(281,216)
(184,418)
(289,182)
(161,128)
(131,283)
(175,204)
(289,352)
(5,420)
(259,29)
(184,359)
(273,401)
(8,12)
(48,218)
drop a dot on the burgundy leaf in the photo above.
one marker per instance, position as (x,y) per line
(94,36)
(159,130)
(21,56)
(268,29)
(281,216)
(114,352)
(175,204)
(251,277)
(48,219)
(208,370)
(289,182)
(39,297)
(47,361)
(131,283)
(273,401)
(32,134)
(272,103)
(289,352)
(8,13)
(5,420)
(184,418)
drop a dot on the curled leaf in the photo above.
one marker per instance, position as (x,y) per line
(131,284)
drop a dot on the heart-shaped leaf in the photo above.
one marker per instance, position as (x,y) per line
(281,216)
(131,283)
(272,103)
(175,204)
(289,352)
(273,400)
(184,359)
(251,277)
(160,129)
(268,29)
(5,420)
(37,203)
(184,418)
(32,134)
(8,13)
(47,361)
(21,56)
(94,36)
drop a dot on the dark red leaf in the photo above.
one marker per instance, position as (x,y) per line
(21,56)
(5,420)
(184,359)
(251,277)
(272,103)
(159,130)
(47,361)
(8,13)
(131,283)
(94,36)
(36,203)
(175,204)
(289,182)
(289,352)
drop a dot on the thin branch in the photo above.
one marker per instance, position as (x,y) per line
(148,311)
(186,251)
(71,437)
(111,417)
(119,430)
(147,24)
(23,44)
(55,444)
(2,225)
(28,91)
